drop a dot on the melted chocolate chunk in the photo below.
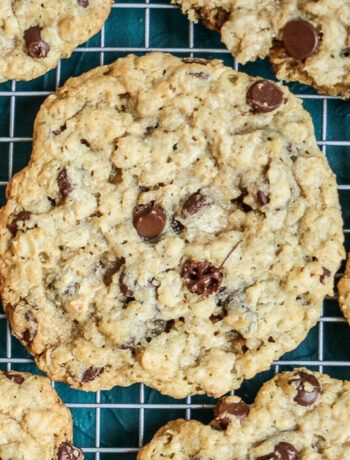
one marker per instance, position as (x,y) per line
(226,407)
(308,388)
(83,3)
(67,451)
(149,220)
(64,184)
(300,39)
(17,378)
(115,176)
(30,333)
(36,47)
(194,203)
(91,374)
(201,277)
(177,226)
(113,268)
(21,217)
(264,96)
(124,288)
(282,451)
(326,274)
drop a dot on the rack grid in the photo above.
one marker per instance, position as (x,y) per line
(115,424)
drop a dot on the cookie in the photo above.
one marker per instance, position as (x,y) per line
(307,41)
(296,415)
(177,226)
(34,423)
(35,35)
(344,291)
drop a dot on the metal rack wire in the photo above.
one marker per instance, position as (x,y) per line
(318,358)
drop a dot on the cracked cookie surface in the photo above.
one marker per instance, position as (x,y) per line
(34,423)
(307,41)
(36,34)
(297,415)
(177,225)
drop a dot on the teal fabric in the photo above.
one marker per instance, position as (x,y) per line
(168,29)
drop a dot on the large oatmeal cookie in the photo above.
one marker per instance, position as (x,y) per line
(177,225)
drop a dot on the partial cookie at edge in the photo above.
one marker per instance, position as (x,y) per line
(315,51)
(297,415)
(34,423)
(35,35)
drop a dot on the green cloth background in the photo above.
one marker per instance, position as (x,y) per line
(169,29)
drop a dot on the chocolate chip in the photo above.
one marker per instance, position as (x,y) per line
(21,217)
(282,451)
(30,333)
(17,378)
(85,142)
(67,451)
(345,53)
(300,39)
(36,47)
(149,220)
(129,344)
(308,388)
(83,3)
(91,374)
(52,201)
(201,277)
(194,203)
(238,342)
(112,268)
(60,130)
(262,198)
(115,176)
(160,325)
(326,274)
(176,225)
(124,288)
(64,184)
(264,96)
(230,406)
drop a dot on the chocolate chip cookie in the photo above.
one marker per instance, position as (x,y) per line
(296,415)
(36,34)
(177,225)
(34,423)
(307,41)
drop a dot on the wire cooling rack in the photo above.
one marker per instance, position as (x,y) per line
(115,424)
